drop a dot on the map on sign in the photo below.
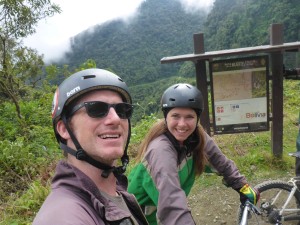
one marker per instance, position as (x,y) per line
(238,85)
(239,89)
(232,86)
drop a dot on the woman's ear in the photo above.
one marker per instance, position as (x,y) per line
(62,130)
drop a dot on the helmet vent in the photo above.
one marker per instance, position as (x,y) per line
(191,100)
(88,77)
(172,99)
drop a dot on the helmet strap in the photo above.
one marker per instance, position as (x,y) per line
(188,145)
(181,150)
(125,158)
(80,154)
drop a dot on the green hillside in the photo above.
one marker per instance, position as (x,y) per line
(133,50)
(244,23)
(163,28)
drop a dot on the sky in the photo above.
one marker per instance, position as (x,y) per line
(53,33)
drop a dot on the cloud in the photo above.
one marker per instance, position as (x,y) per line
(53,35)
(195,5)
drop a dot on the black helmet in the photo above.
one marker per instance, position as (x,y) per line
(82,82)
(74,87)
(182,95)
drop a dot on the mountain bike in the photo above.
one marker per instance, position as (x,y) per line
(279,203)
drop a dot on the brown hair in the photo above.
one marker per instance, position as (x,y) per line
(159,128)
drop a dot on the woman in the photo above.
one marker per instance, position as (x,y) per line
(174,152)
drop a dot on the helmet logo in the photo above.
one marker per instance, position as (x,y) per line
(73,91)
(54,103)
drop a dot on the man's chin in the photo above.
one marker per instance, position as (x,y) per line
(110,160)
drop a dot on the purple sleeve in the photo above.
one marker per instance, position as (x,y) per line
(172,202)
(224,166)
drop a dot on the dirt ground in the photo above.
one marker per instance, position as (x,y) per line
(217,204)
(214,205)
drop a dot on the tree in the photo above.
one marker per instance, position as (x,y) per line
(20,67)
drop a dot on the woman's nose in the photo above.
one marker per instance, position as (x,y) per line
(181,121)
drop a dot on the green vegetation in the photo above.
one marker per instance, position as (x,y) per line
(29,151)
(162,28)
(133,49)
(20,67)
(28,163)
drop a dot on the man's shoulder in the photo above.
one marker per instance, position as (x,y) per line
(61,207)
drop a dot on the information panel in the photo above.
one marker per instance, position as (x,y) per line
(240,95)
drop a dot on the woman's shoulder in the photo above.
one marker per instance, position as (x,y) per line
(161,146)
(160,140)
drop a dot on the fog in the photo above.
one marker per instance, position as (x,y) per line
(53,34)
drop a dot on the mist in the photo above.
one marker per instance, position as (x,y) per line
(52,37)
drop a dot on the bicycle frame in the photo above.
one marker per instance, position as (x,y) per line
(245,215)
(248,208)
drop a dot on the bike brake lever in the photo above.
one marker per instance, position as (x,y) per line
(254,208)
(294,154)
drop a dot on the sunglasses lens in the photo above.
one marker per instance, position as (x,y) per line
(100,109)
(97,109)
(124,110)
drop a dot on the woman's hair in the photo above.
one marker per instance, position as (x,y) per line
(159,128)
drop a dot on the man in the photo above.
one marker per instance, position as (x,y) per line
(91,113)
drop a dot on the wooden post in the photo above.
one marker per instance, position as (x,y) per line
(201,80)
(276,38)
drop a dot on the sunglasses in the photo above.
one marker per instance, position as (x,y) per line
(97,109)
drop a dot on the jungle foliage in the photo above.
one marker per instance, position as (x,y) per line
(161,28)
(133,50)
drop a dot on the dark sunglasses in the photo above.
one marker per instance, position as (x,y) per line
(97,109)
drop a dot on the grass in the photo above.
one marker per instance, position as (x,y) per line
(22,210)
(252,152)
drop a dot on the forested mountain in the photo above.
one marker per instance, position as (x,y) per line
(245,23)
(133,49)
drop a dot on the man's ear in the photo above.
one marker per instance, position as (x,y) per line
(62,130)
